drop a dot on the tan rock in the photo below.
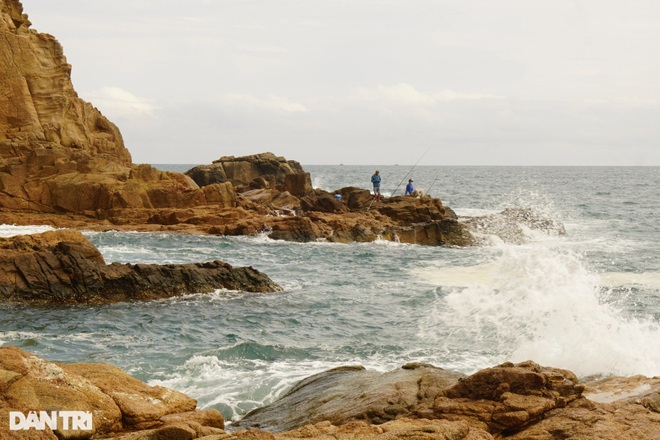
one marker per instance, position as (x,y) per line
(44,386)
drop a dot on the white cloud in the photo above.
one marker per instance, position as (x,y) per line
(118,103)
(401,93)
(271,104)
(405,94)
(449,95)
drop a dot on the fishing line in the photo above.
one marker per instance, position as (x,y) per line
(408,173)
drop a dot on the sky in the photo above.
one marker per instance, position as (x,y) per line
(455,82)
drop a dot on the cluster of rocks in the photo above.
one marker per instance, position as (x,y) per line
(512,401)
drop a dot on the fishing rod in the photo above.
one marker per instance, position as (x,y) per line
(428,191)
(408,173)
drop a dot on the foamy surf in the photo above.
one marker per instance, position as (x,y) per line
(541,303)
(13,230)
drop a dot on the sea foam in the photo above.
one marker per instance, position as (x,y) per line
(540,302)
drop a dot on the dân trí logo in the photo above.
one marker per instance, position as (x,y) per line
(55,420)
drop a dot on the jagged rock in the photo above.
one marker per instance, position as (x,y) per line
(64,267)
(38,106)
(58,153)
(513,401)
(263,170)
(349,394)
(118,402)
(404,428)
(322,201)
(508,397)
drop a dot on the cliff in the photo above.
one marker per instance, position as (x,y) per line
(58,153)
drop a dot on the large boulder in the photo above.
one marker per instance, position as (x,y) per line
(63,267)
(263,170)
(348,394)
(118,403)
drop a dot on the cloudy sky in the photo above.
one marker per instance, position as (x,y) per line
(470,82)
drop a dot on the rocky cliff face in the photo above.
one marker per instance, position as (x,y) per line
(58,153)
(39,109)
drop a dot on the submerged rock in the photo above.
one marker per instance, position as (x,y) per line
(63,267)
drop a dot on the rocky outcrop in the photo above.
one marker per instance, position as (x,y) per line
(119,404)
(513,401)
(58,153)
(63,267)
(348,394)
(38,106)
(263,170)
(521,401)
(63,163)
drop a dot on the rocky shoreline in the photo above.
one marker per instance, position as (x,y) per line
(63,164)
(512,401)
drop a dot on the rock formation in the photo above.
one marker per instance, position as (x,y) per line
(520,401)
(58,153)
(63,163)
(349,394)
(63,267)
(256,171)
(119,403)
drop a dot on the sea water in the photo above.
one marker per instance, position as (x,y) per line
(588,301)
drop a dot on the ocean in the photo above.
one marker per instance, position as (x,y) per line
(587,301)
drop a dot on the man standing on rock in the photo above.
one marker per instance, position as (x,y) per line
(375,180)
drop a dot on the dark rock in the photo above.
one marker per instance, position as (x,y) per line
(63,267)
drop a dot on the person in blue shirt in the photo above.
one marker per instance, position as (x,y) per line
(375,180)
(410,188)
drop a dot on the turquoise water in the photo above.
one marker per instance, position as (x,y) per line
(588,301)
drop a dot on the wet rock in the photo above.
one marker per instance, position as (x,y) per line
(348,394)
(63,267)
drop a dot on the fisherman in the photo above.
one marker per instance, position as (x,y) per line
(375,180)
(410,188)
